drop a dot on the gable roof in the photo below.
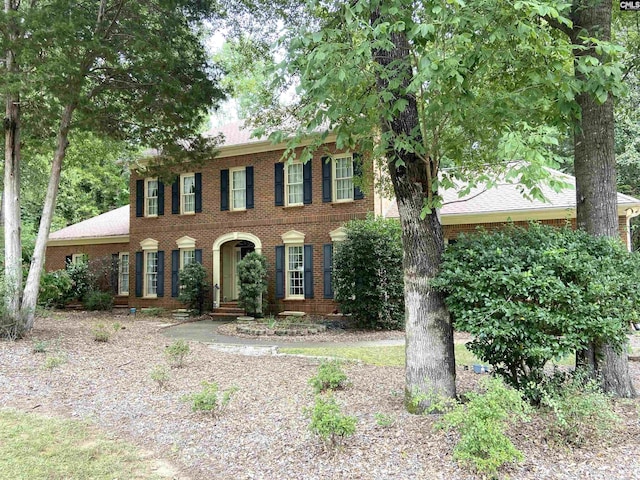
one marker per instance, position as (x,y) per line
(110,227)
(504,201)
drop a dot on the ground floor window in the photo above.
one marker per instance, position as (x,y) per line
(295,271)
(123,273)
(151,274)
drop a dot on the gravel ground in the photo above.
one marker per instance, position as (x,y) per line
(264,433)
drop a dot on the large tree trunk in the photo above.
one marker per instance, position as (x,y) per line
(596,191)
(10,324)
(37,261)
(430,362)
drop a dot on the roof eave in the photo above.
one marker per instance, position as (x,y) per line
(62,242)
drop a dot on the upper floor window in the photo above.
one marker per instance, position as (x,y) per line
(151,197)
(343,179)
(338,174)
(238,189)
(123,273)
(188,193)
(294,184)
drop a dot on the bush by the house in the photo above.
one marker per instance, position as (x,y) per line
(83,280)
(55,289)
(96,300)
(481,423)
(531,295)
(368,275)
(193,286)
(252,276)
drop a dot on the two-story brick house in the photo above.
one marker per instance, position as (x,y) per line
(247,200)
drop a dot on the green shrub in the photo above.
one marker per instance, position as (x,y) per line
(210,399)
(98,301)
(330,376)
(580,412)
(160,374)
(481,423)
(83,280)
(55,289)
(384,420)
(54,361)
(177,352)
(101,333)
(39,346)
(531,295)
(252,276)
(328,422)
(368,274)
(193,286)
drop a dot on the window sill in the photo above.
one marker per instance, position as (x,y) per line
(150,216)
(288,207)
(187,214)
(123,294)
(237,210)
(295,299)
(342,202)
(150,297)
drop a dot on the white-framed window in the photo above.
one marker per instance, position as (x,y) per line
(294,271)
(78,258)
(342,178)
(151,273)
(187,257)
(238,190)
(151,197)
(293,179)
(123,273)
(187,193)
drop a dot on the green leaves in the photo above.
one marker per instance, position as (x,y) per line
(530,295)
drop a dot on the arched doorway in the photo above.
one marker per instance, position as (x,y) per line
(228,250)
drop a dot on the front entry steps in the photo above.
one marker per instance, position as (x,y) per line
(227,311)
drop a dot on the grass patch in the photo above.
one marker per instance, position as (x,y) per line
(392,356)
(37,447)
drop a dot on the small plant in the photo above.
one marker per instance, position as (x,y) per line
(209,399)
(153,311)
(177,352)
(328,422)
(39,346)
(481,423)
(98,301)
(160,374)
(117,326)
(330,376)
(101,333)
(384,420)
(580,412)
(54,361)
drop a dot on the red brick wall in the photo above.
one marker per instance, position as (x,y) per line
(56,255)
(265,220)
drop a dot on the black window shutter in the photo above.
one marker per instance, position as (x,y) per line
(279,184)
(198,181)
(160,198)
(280,271)
(160,290)
(199,255)
(175,196)
(175,272)
(307,192)
(139,198)
(357,172)
(139,268)
(326,179)
(114,272)
(68,260)
(308,271)
(327,269)
(224,190)
(248,172)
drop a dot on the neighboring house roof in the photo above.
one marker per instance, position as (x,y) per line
(110,227)
(504,201)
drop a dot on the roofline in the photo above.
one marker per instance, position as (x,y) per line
(63,242)
(567,212)
(250,148)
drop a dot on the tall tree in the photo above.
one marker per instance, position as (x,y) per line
(418,85)
(598,81)
(129,70)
